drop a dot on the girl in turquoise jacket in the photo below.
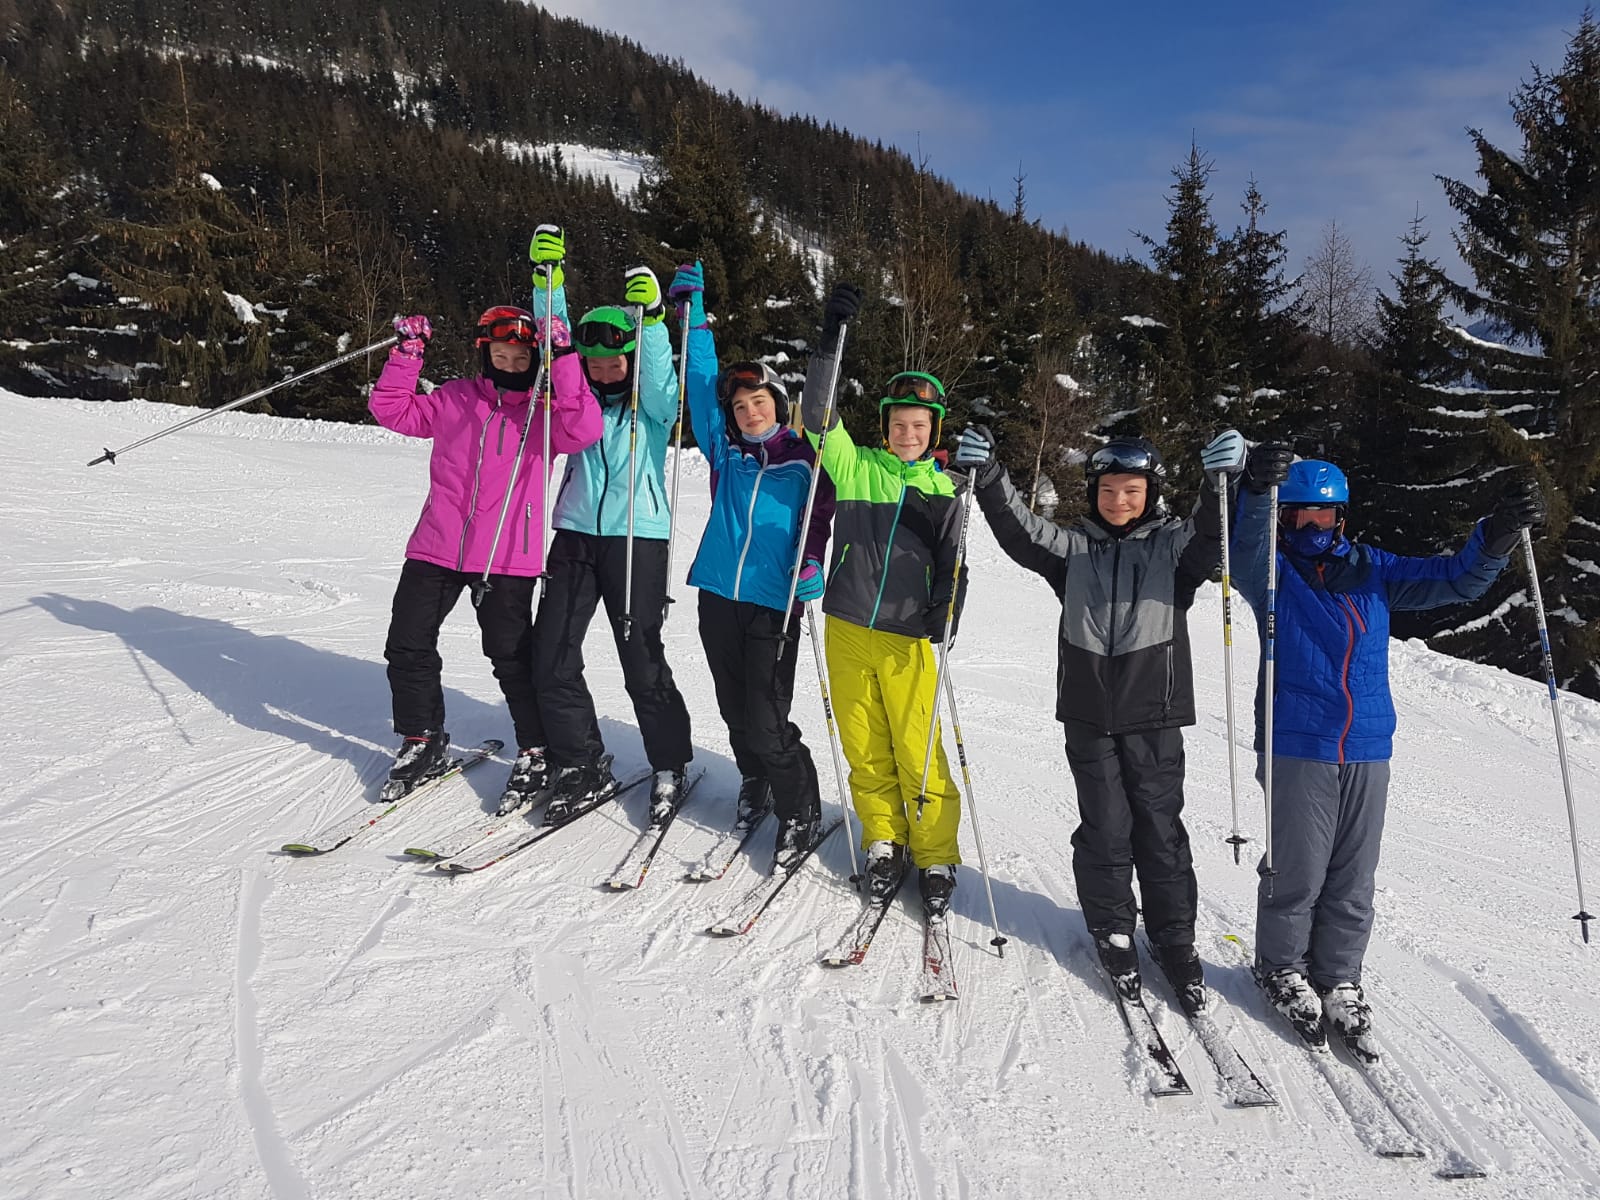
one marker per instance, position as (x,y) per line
(588,555)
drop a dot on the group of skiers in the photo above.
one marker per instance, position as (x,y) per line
(604,392)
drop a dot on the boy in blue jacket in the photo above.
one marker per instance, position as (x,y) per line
(588,555)
(761,473)
(1334,719)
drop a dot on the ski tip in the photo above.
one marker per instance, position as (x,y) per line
(724,931)
(939,997)
(834,962)
(450,868)
(299,849)
(619,885)
(419,852)
(698,875)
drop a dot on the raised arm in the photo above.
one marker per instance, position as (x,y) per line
(1266,466)
(658,381)
(575,422)
(1028,539)
(395,402)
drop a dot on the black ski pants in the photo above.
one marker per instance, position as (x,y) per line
(752,667)
(1130,801)
(583,570)
(425,595)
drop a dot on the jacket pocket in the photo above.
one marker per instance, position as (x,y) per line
(650,487)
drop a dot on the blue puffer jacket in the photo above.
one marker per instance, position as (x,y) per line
(594,492)
(1332,651)
(758,495)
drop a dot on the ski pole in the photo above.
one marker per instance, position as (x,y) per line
(483,586)
(999,940)
(833,743)
(677,450)
(816,474)
(549,403)
(633,461)
(1237,840)
(1270,668)
(1583,916)
(110,456)
(944,643)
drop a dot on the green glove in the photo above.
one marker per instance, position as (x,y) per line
(548,248)
(644,290)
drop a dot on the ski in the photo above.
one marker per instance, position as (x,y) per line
(1413,1114)
(1166,1077)
(725,850)
(636,865)
(1239,1080)
(851,948)
(499,849)
(938,970)
(1375,1124)
(481,825)
(760,897)
(331,837)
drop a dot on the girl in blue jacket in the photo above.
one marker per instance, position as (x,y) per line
(588,555)
(1334,720)
(760,476)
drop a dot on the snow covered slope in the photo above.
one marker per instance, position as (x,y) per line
(191,675)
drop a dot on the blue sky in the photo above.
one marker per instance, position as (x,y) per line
(1346,113)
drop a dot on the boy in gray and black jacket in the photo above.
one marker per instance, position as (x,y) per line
(1126,575)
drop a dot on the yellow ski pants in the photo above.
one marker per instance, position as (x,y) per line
(883,698)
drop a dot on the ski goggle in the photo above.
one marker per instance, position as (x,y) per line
(1124,458)
(915,389)
(1318,518)
(507,325)
(749,376)
(602,335)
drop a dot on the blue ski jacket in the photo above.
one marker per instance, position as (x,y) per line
(594,491)
(758,497)
(1332,648)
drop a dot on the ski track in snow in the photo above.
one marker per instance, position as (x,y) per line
(197,1015)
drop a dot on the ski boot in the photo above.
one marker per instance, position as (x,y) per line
(796,835)
(1291,993)
(530,775)
(577,786)
(937,883)
(1187,976)
(886,869)
(420,757)
(666,795)
(755,798)
(1121,961)
(1345,1009)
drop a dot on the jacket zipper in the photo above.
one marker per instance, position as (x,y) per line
(477,474)
(1351,620)
(600,509)
(1111,633)
(888,548)
(749,525)
(527,528)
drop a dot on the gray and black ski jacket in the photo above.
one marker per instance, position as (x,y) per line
(1124,650)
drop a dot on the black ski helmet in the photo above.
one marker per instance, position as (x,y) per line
(1126,456)
(749,376)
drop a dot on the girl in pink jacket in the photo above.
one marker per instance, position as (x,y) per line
(488,442)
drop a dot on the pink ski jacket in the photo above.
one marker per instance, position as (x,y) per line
(475,432)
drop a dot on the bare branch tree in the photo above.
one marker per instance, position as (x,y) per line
(1337,289)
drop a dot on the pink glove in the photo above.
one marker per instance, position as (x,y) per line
(414,334)
(560,338)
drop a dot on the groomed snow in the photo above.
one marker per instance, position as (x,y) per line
(191,670)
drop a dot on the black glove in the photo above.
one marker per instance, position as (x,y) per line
(842,306)
(1520,507)
(1268,466)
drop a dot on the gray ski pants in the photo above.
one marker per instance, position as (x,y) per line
(1315,913)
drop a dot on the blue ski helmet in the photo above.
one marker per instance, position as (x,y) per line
(1314,484)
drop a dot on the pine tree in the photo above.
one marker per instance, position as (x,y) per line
(1422,435)
(1192,354)
(1531,238)
(1262,319)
